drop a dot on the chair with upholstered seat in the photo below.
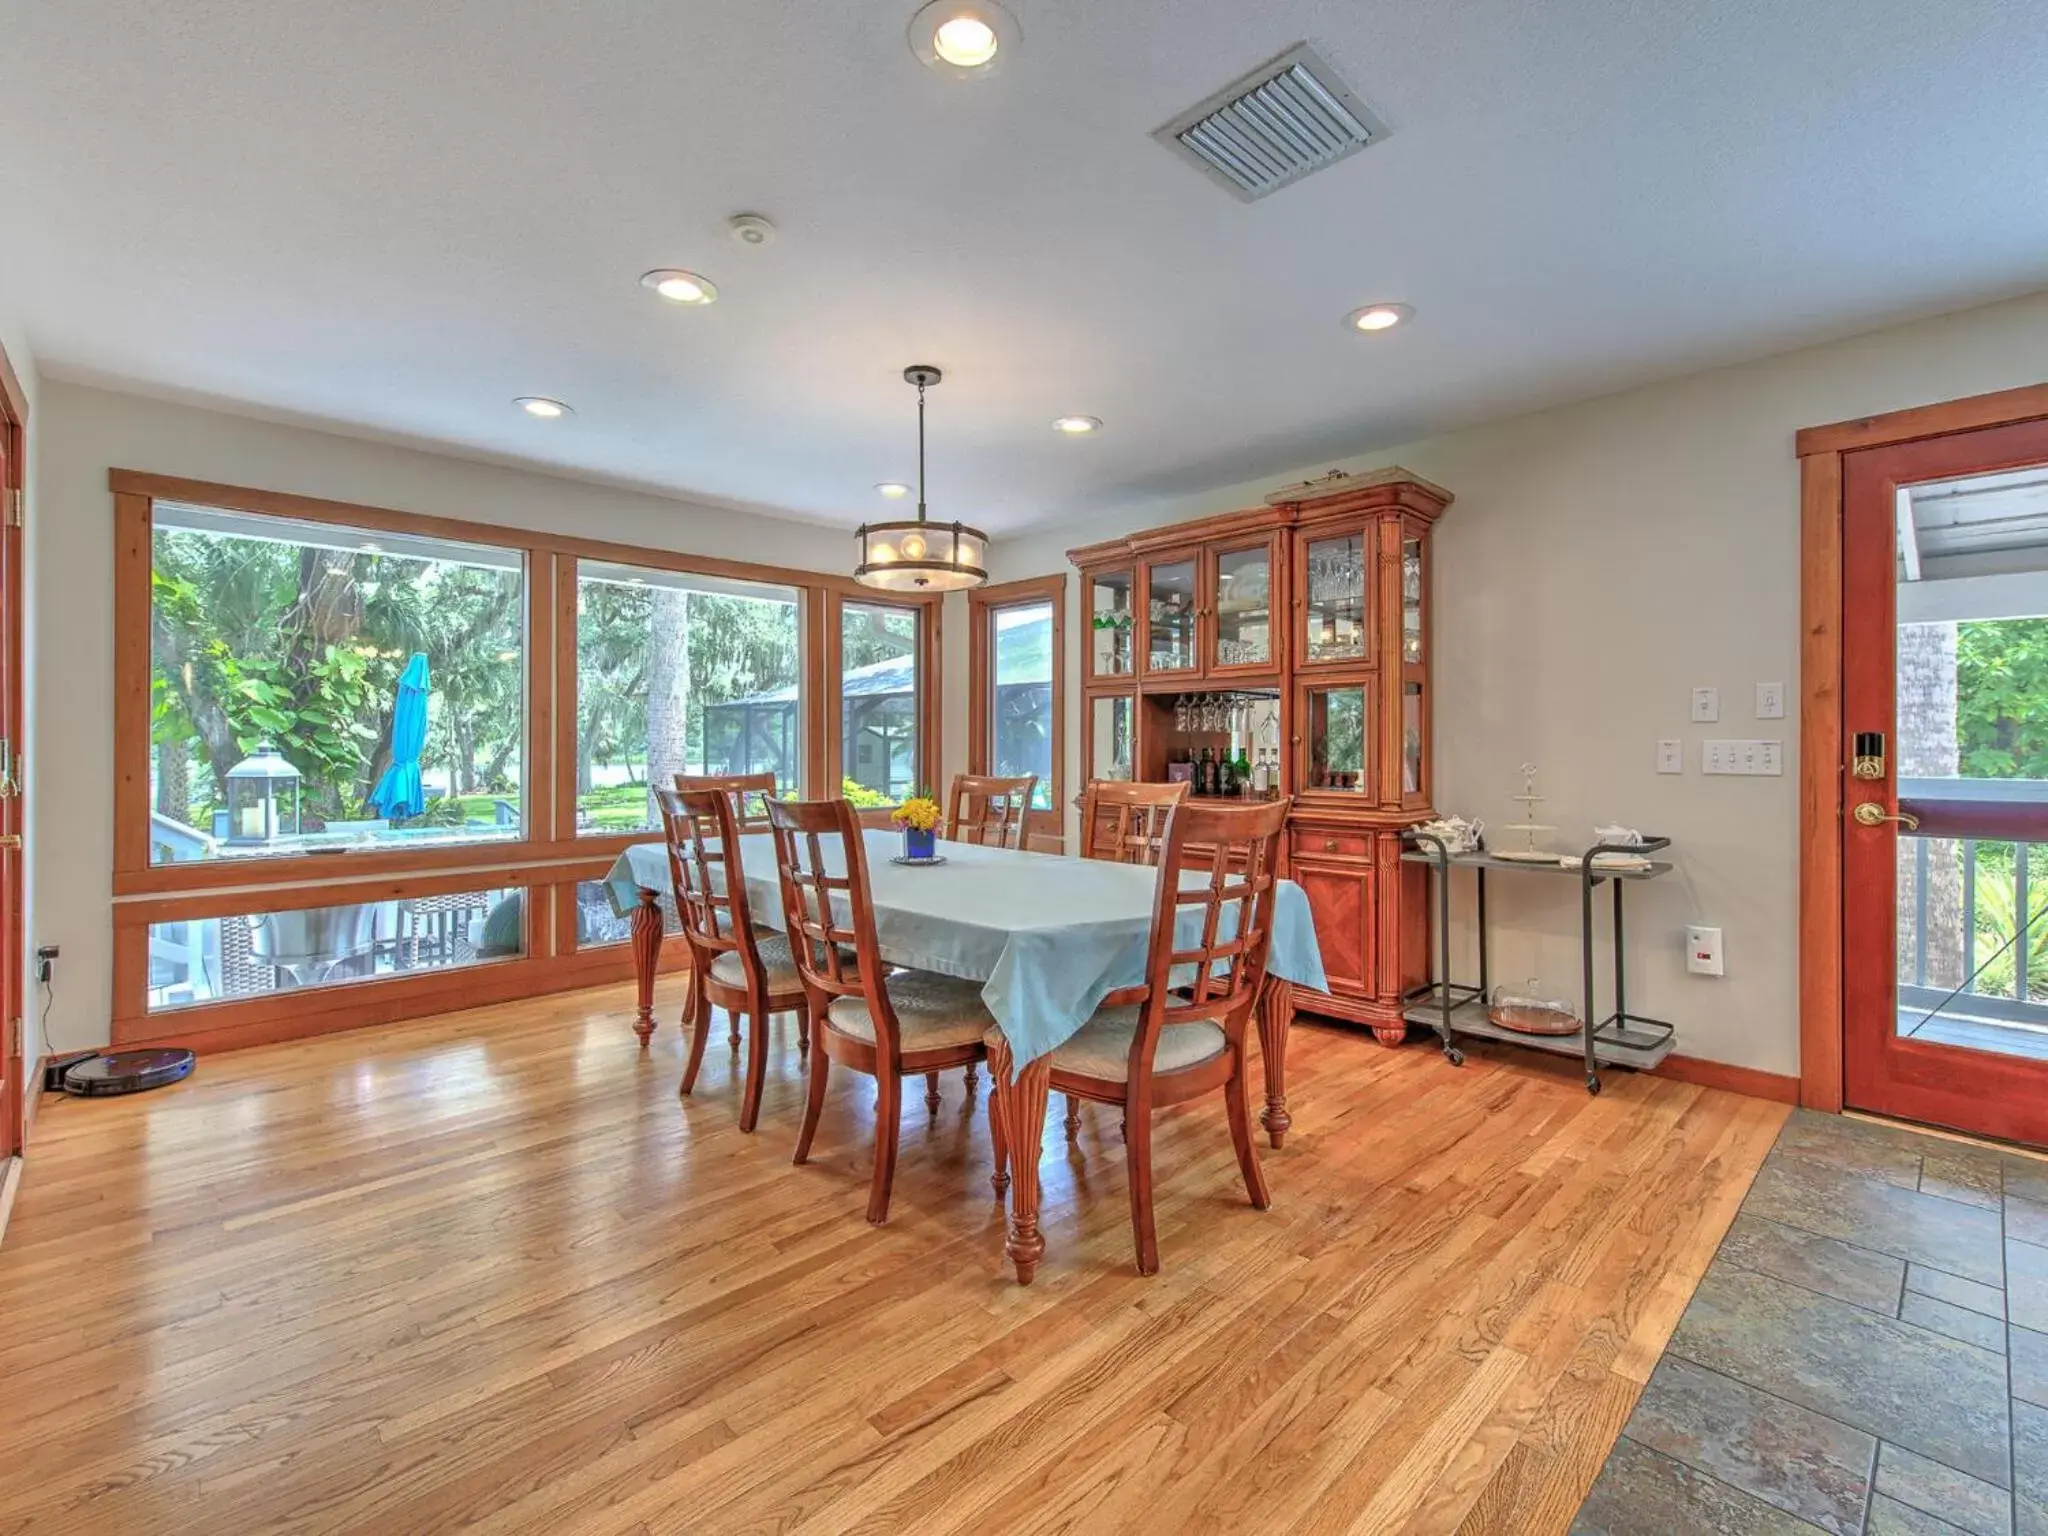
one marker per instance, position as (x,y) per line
(750,794)
(991,812)
(1181,1034)
(735,966)
(890,1025)
(1123,821)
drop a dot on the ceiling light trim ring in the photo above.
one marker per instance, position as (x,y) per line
(1401,314)
(1004,37)
(659,280)
(544,407)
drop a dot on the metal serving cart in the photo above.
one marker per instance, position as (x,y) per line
(1454,1009)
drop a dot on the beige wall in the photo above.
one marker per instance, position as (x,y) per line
(1600,561)
(81,434)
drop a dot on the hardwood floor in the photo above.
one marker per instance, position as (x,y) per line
(488,1272)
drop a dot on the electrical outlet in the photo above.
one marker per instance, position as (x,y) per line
(1670,756)
(1706,705)
(1703,951)
(46,962)
(1770,701)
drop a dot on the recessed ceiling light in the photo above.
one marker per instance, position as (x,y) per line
(680,287)
(1077,426)
(543,407)
(964,38)
(895,490)
(1378,317)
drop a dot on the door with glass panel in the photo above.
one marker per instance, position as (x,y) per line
(1242,635)
(1945,827)
(1169,640)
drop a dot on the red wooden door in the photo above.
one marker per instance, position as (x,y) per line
(1945,839)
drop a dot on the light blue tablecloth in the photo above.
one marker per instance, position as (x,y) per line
(1048,937)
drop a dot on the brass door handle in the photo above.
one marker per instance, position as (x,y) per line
(1871,813)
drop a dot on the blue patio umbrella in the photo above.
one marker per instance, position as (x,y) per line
(399,793)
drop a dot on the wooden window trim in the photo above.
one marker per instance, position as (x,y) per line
(549,860)
(313,509)
(1822,785)
(1044,830)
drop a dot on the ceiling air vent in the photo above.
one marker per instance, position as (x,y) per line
(1273,127)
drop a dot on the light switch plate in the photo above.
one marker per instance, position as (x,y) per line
(1706,705)
(1703,951)
(1770,701)
(1748,759)
(1671,756)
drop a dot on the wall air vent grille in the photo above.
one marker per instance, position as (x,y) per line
(1275,126)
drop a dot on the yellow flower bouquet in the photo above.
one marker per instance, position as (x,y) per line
(918,817)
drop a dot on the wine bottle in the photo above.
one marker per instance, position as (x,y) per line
(1243,772)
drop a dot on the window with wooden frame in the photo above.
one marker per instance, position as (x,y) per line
(371,764)
(1017,693)
(883,668)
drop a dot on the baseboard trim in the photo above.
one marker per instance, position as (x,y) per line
(1775,1086)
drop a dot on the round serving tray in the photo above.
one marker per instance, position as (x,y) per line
(907,860)
(1533,1019)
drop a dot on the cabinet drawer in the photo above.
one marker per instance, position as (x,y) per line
(1312,844)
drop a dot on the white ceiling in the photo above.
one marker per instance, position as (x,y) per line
(396,216)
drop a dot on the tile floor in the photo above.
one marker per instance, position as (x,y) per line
(1868,1353)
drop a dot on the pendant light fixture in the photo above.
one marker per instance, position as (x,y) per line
(921,556)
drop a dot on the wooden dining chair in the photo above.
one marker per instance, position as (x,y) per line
(1123,821)
(1181,1033)
(888,1024)
(734,965)
(988,811)
(750,794)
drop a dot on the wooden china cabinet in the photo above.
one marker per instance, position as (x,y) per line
(1303,626)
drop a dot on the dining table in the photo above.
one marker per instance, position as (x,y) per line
(1048,937)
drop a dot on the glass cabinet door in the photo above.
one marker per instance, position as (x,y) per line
(1113,625)
(1111,736)
(1242,635)
(1411,601)
(1170,617)
(1414,775)
(1336,739)
(1333,576)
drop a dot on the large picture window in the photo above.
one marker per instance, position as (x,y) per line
(323,689)
(371,764)
(678,673)
(881,664)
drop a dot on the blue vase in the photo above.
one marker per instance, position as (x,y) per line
(920,845)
